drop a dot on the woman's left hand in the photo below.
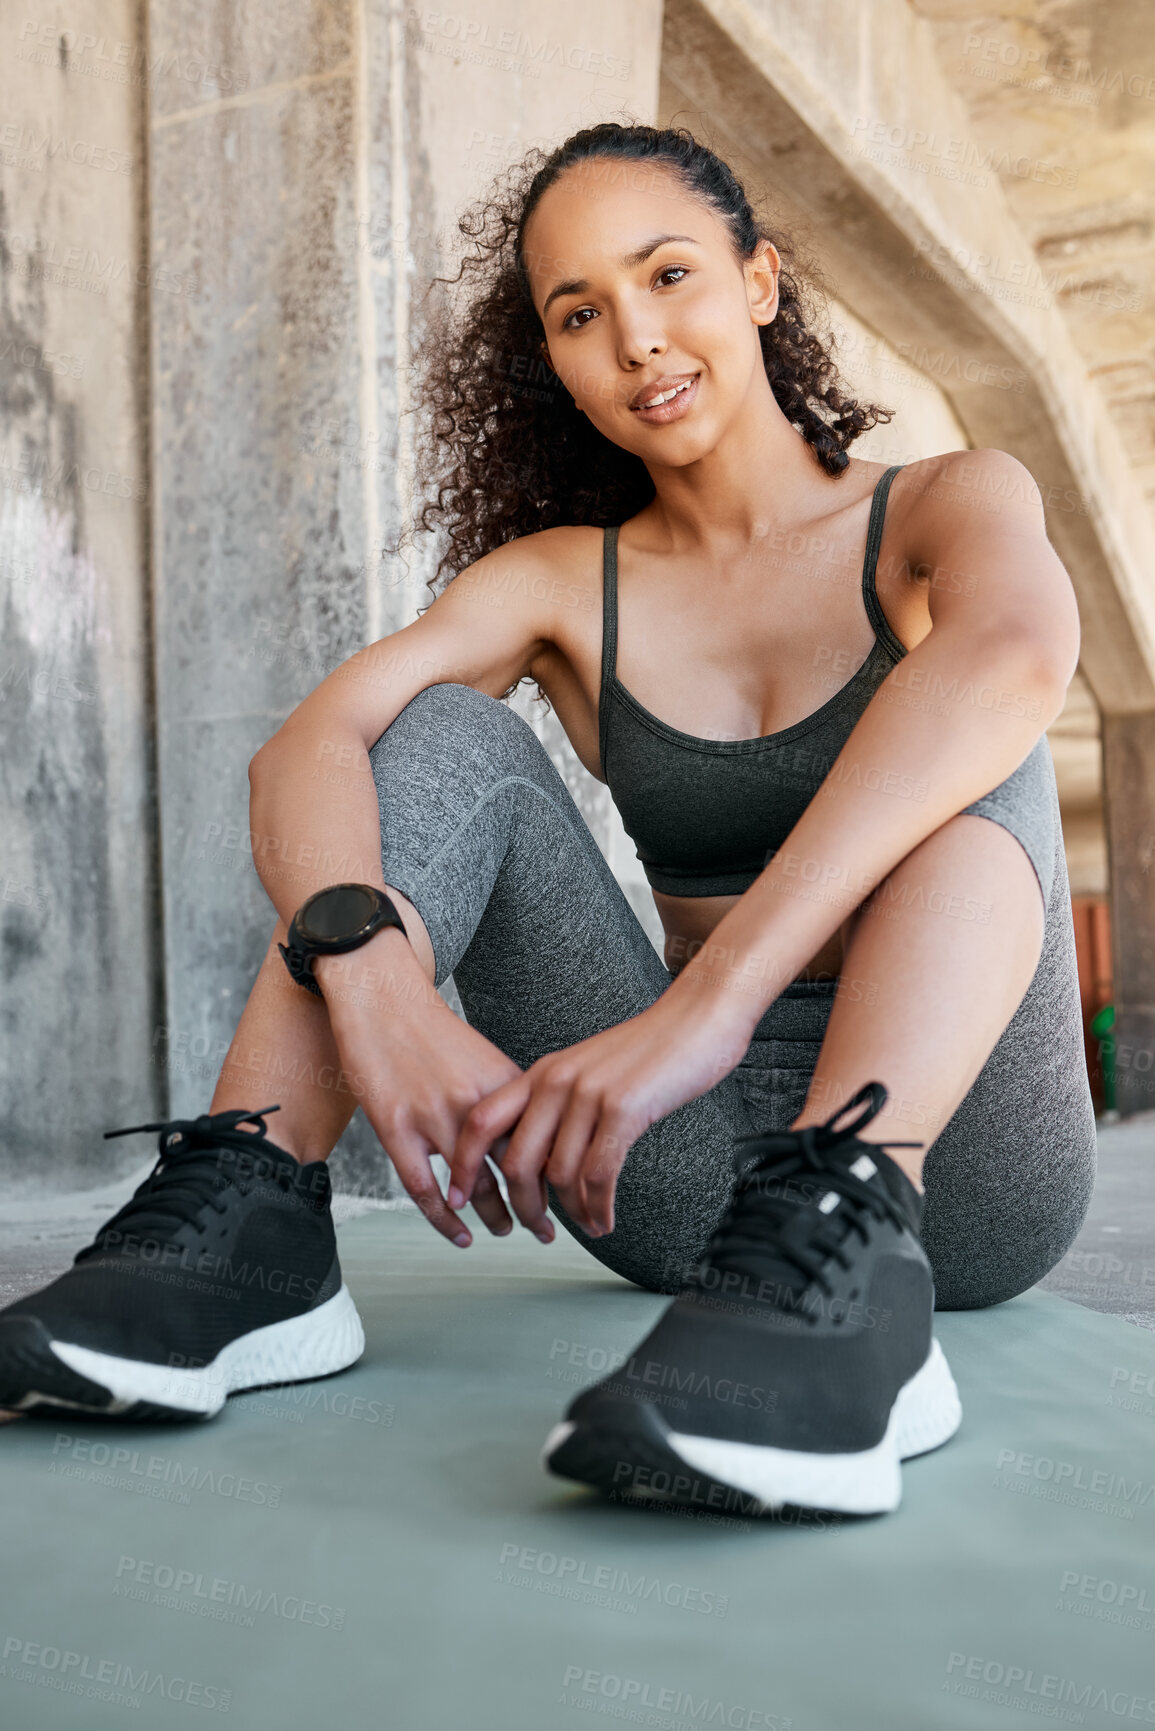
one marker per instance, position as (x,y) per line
(579,1111)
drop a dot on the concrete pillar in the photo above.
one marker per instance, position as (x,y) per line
(1129,775)
(304,193)
(260,513)
(79,951)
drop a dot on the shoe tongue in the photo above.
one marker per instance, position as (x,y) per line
(236,1151)
(864,1160)
(810,1190)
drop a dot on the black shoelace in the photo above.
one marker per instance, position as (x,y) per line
(189,1173)
(764,1230)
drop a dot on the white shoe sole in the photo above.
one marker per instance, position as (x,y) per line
(926,1413)
(318,1343)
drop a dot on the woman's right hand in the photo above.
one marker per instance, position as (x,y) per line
(416,1069)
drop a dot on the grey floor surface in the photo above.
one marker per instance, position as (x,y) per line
(383,1550)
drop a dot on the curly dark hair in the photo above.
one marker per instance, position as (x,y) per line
(508,449)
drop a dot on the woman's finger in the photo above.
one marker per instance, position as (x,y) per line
(523,1166)
(484,1125)
(600,1169)
(564,1166)
(489,1204)
(410,1154)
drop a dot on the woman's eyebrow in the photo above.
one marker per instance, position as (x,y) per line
(579,285)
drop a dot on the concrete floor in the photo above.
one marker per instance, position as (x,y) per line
(382,1549)
(1111,1265)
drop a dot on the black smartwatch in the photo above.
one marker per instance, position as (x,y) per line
(333,920)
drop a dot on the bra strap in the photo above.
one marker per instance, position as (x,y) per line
(609,632)
(873,542)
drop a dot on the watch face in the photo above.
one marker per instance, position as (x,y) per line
(339,912)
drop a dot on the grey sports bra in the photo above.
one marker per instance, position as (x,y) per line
(707,815)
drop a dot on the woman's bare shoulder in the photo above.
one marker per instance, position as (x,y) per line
(560,567)
(975,526)
(563,551)
(936,492)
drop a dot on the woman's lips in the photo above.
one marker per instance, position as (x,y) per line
(677,406)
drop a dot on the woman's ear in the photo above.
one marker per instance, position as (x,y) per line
(762,282)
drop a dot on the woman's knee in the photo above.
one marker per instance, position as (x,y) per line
(970,1276)
(965,1288)
(447,711)
(673,1190)
(449,749)
(651,1267)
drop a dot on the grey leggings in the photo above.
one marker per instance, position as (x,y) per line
(480,832)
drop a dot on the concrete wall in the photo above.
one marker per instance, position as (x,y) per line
(79,941)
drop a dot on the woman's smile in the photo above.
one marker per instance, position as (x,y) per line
(671,404)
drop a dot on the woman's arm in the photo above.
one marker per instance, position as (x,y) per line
(383,1032)
(313,813)
(957,715)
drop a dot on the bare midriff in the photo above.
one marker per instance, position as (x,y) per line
(689,920)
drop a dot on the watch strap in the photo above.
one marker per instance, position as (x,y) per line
(297,962)
(299,953)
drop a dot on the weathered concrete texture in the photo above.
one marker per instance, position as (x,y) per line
(77,926)
(1062,98)
(261,479)
(259,516)
(203,54)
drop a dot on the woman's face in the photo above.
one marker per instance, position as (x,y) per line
(629,314)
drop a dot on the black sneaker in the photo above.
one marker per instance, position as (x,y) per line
(219,1273)
(797,1366)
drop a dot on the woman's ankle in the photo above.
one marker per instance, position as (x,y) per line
(286,1132)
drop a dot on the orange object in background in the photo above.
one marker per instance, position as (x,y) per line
(1092,917)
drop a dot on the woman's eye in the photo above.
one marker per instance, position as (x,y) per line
(566,324)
